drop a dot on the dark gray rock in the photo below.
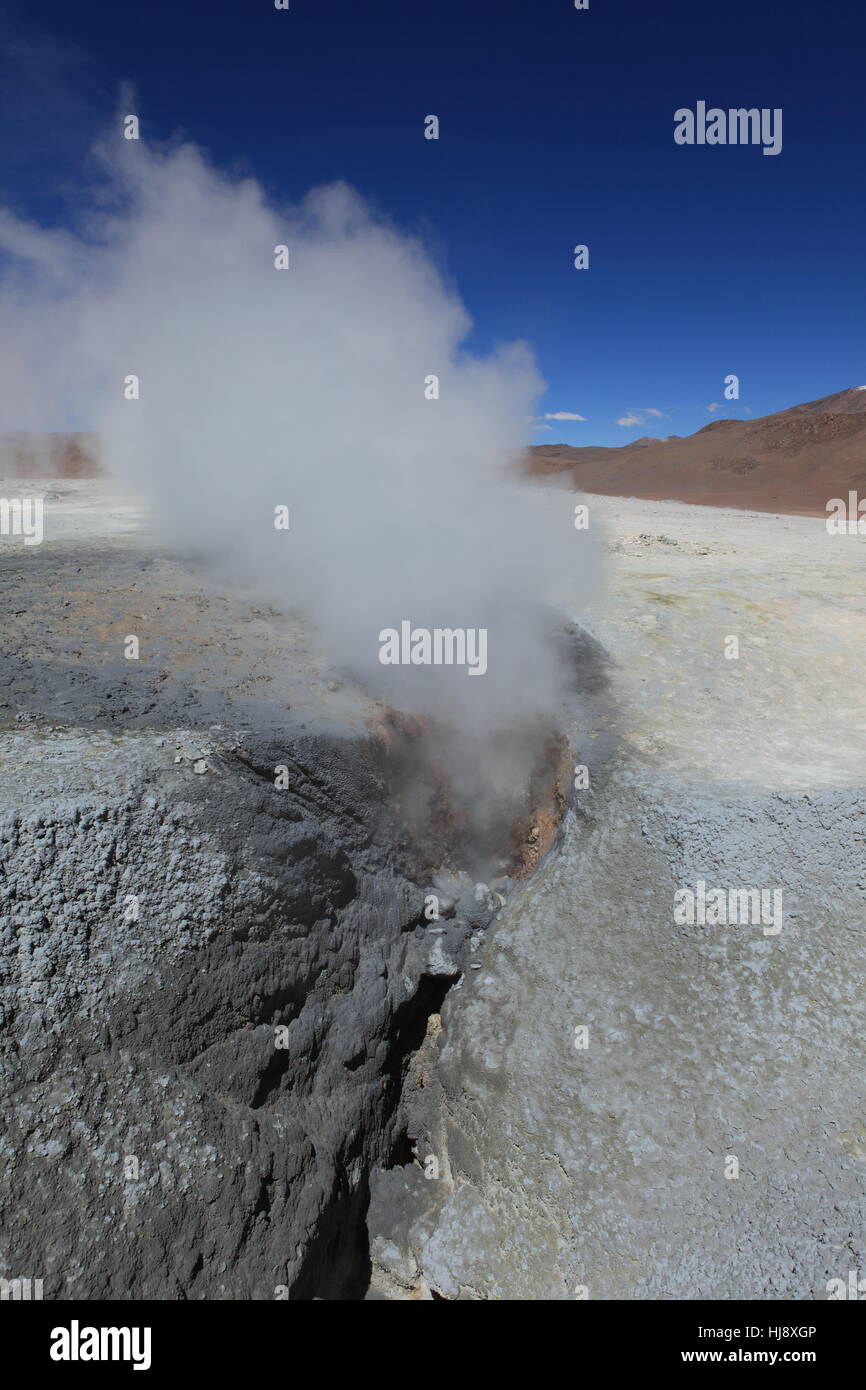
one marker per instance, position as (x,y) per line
(158,1143)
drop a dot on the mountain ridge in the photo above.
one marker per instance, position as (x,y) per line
(793,460)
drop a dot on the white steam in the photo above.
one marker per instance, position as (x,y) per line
(305,387)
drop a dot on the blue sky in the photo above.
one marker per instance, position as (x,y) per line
(556,129)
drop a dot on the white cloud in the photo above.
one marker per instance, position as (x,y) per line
(563,415)
(716,405)
(640,417)
(546,427)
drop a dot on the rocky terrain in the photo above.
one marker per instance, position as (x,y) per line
(216,962)
(793,461)
(243,1060)
(705,1136)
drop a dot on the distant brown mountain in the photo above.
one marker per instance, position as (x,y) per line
(49,456)
(794,461)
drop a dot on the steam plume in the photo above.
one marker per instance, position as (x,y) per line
(263,387)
